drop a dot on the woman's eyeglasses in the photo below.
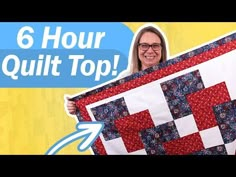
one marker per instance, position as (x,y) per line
(145,46)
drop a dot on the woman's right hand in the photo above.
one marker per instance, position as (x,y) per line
(71,107)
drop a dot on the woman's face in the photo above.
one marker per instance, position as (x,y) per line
(149,55)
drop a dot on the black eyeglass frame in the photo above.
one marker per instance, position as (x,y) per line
(158,45)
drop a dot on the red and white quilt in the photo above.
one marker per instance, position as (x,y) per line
(186,105)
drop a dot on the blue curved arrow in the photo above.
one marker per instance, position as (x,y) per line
(89,130)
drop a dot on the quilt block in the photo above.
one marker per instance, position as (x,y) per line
(184,106)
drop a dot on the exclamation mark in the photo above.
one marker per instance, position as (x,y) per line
(116,60)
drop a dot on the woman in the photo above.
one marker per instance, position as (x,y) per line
(149,49)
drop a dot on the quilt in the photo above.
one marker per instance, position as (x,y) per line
(184,106)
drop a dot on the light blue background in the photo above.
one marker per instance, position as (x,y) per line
(116,42)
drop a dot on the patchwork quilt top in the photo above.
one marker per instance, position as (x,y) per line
(186,105)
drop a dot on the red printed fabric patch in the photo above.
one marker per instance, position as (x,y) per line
(186,105)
